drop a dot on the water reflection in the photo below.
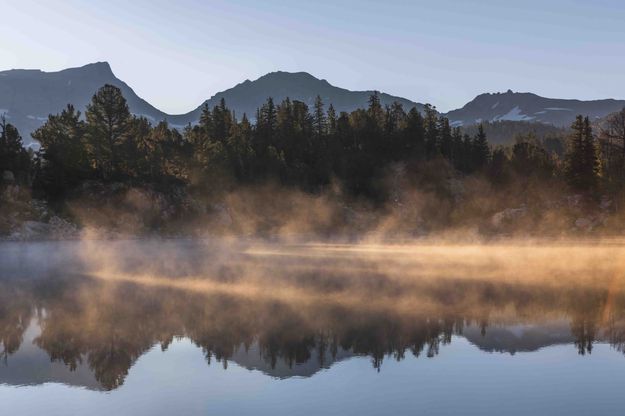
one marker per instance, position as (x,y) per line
(94,309)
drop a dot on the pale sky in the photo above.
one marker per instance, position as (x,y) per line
(175,54)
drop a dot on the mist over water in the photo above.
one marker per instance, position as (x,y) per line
(101,315)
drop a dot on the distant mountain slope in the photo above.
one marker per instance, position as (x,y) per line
(530,107)
(247,96)
(27,97)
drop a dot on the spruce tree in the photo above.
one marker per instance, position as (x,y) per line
(481,150)
(64,152)
(108,119)
(331,120)
(456,148)
(582,162)
(319,118)
(13,156)
(445,138)
(430,123)
(414,140)
(375,111)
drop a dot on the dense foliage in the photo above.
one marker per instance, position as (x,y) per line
(295,146)
(14,159)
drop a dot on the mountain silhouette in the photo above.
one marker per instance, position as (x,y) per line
(515,106)
(28,96)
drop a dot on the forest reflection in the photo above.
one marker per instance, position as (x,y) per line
(105,305)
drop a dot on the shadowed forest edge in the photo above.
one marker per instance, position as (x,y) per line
(291,170)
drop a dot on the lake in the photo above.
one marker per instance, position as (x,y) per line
(244,327)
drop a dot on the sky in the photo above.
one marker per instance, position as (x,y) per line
(175,54)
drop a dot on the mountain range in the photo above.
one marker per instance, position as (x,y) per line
(526,106)
(27,97)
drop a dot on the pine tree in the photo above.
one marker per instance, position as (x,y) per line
(613,136)
(13,157)
(221,121)
(375,112)
(481,149)
(319,118)
(268,115)
(413,135)
(206,121)
(445,138)
(430,124)
(64,152)
(108,118)
(331,120)
(456,147)
(582,163)
(240,152)
(591,157)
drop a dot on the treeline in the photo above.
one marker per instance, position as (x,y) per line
(287,142)
(297,146)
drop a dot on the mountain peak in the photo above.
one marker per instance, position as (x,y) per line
(99,64)
(527,106)
(289,77)
(287,74)
(100,68)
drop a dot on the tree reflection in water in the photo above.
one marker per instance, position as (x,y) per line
(295,306)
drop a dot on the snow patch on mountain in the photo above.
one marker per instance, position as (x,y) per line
(513,115)
(495,105)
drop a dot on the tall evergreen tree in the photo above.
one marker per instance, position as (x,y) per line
(13,157)
(319,117)
(331,120)
(445,138)
(430,124)
(456,147)
(64,152)
(240,151)
(222,122)
(481,149)
(582,162)
(108,118)
(414,140)
(375,111)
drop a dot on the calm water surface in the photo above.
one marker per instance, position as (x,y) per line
(239,327)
